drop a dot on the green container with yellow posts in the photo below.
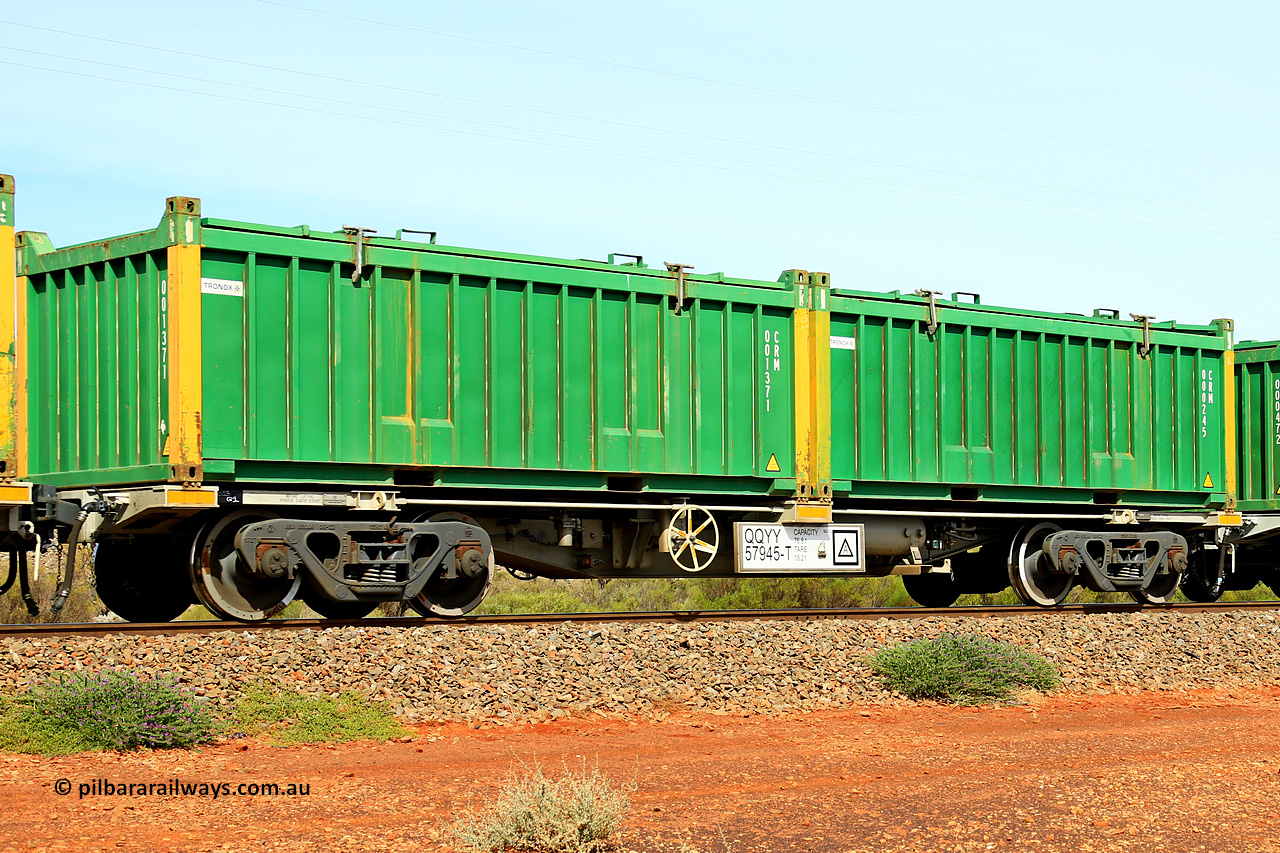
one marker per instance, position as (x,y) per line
(264,412)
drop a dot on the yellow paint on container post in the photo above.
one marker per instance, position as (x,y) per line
(21,439)
(185,356)
(9,386)
(801,335)
(1229,420)
(820,353)
(812,333)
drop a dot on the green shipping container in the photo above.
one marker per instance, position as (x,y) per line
(219,351)
(992,403)
(215,350)
(1258,394)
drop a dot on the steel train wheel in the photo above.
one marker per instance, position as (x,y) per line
(330,609)
(1028,568)
(1162,589)
(983,572)
(223,582)
(932,590)
(452,597)
(144,580)
(457,596)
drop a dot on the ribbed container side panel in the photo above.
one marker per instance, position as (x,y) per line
(443,362)
(96,358)
(1258,425)
(999,401)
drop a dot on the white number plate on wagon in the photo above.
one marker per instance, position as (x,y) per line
(798,548)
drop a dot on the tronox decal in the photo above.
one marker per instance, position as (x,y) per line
(843,342)
(222,287)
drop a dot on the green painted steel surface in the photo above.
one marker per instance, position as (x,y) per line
(475,369)
(1023,405)
(97,389)
(441,357)
(1258,407)
(437,364)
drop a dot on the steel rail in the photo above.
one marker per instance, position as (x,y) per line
(683,617)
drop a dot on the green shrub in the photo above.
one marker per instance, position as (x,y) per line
(962,669)
(533,600)
(628,595)
(292,717)
(116,710)
(575,813)
(25,730)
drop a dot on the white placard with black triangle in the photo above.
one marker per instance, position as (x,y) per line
(848,548)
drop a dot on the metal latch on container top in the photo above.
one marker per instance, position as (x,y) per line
(1145,346)
(679,270)
(932,296)
(359,234)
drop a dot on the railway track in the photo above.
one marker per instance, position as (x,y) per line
(1001,611)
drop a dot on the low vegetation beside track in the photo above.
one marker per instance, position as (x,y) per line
(542,595)
(962,669)
(727,593)
(123,710)
(574,812)
(515,674)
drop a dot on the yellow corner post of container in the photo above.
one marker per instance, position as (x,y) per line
(803,382)
(812,333)
(9,338)
(820,373)
(181,289)
(1229,417)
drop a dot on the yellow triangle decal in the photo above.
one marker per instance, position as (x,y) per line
(773,466)
(1208,482)
(1278,491)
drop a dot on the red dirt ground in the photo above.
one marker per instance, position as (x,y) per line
(1185,771)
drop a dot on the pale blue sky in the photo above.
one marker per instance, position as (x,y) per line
(1049,155)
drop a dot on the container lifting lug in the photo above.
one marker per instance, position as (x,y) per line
(1145,347)
(932,296)
(359,234)
(679,270)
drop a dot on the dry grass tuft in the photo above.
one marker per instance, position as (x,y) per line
(575,813)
